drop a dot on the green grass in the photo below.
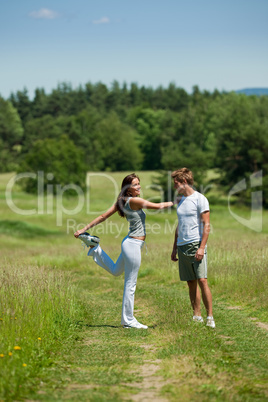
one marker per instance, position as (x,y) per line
(23,229)
(38,312)
(51,290)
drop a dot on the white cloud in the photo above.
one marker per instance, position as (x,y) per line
(103,20)
(44,13)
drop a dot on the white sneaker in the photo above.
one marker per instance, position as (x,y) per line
(198,318)
(211,322)
(89,240)
(137,325)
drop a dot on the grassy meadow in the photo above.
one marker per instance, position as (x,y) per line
(60,332)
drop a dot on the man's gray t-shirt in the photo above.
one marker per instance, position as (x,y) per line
(189,212)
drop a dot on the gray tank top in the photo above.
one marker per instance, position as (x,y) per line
(136,220)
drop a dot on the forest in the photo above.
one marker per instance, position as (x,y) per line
(129,127)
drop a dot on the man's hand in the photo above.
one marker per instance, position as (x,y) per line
(174,255)
(199,254)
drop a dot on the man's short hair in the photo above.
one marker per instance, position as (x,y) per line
(183,174)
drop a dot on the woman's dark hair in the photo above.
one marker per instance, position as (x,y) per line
(125,193)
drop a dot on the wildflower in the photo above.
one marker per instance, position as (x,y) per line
(1,355)
(17,348)
(10,353)
(15,318)
(1,319)
(39,339)
(24,365)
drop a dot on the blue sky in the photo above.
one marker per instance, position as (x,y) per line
(219,44)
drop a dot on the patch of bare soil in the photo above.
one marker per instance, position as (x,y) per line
(82,386)
(234,308)
(262,325)
(227,339)
(259,324)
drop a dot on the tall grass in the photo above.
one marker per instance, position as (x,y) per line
(238,270)
(39,313)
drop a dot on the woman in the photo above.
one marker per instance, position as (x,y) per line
(128,205)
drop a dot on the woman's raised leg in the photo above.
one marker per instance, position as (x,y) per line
(104,261)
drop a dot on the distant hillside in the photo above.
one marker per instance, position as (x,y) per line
(253,91)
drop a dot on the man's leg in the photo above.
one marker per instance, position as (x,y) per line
(206,295)
(195,297)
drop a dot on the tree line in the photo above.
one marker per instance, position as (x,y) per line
(126,127)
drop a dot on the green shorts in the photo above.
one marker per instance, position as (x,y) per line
(189,268)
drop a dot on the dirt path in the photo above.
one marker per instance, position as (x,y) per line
(150,387)
(151,384)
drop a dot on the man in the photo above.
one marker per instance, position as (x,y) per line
(190,242)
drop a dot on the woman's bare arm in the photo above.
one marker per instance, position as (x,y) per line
(96,221)
(139,203)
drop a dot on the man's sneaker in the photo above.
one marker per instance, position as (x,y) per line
(198,318)
(137,325)
(211,322)
(89,240)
